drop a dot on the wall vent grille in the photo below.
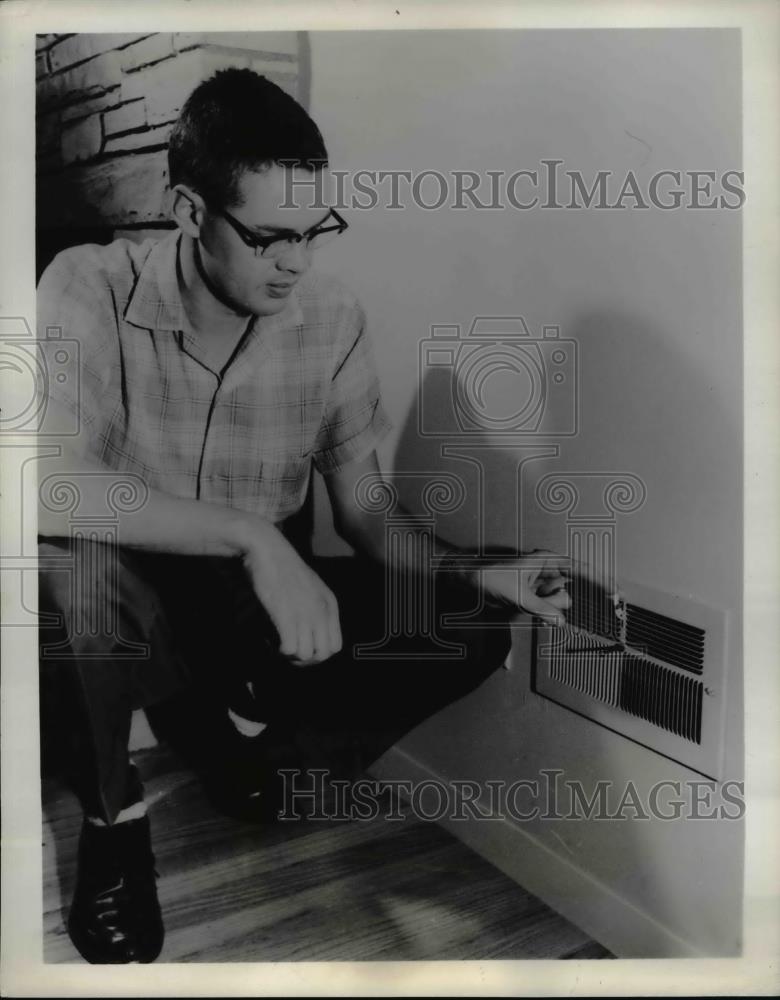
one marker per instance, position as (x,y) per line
(649,667)
(636,685)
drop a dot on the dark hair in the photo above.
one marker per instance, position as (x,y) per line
(237,121)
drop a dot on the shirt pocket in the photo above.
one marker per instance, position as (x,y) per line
(283,483)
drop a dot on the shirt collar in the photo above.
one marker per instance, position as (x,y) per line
(155,302)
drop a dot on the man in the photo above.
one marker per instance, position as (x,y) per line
(215,370)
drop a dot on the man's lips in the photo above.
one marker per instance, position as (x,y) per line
(279,289)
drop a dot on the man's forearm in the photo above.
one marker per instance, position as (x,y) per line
(301,607)
(427,554)
(162,522)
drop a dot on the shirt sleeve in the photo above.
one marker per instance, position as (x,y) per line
(355,421)
(74,320)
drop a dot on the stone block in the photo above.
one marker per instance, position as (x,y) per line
(41,65)
(125,118)
(48,162)
(183,40)
(116,192)
(47,91)
(168,85)
(138,140)
(150,50)
(278,43)
(87,80)
(82,140)
(45,41)
(79,48)
(93,104)
(163,84)
(48,130)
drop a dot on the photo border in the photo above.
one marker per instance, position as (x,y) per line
(22,970)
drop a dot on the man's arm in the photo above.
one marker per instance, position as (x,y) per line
(303,610)
(534,583)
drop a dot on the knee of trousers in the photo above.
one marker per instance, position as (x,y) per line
(94,596)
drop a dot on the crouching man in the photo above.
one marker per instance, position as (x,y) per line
(215,370)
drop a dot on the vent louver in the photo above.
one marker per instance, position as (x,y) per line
(639,667)
(665,639)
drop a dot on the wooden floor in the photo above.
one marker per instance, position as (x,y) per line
(309,890)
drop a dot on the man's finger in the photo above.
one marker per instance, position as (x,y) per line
(560,599)
(322,640)
(601,576)
(551,584)
(288,635)
(305,645)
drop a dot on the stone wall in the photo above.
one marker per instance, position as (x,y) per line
(105,107)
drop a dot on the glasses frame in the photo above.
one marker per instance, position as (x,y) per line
(262,243)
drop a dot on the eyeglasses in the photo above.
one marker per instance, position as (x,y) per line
(274,246)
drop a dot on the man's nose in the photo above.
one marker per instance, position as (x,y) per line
(296,258)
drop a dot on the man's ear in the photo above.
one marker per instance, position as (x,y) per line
(187,210)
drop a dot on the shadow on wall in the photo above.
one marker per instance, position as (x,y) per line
(651,406)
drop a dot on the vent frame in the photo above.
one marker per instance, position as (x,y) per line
(550,680)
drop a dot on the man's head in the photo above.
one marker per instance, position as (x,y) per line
(235,153)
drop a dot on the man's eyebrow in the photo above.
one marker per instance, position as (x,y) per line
(285,230)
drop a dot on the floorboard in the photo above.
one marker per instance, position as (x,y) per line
(309,890)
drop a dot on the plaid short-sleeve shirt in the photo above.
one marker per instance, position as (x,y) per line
(302,388)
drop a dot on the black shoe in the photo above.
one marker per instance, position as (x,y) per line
(241,777)
(115,915)
(280,773)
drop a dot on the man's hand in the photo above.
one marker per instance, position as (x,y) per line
(536,583)
(304,611)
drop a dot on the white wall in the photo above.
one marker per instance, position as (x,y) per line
(653,299)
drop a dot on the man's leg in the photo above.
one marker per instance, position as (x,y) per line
(231,649)
(402,660)
(338,714)
(105,649)
(371,698)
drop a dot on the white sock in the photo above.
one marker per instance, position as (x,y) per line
(246,726)
(135,811)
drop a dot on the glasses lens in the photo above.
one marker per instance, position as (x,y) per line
(316,239)
(276,249)
(322,237)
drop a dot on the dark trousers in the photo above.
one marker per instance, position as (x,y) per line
(124,629)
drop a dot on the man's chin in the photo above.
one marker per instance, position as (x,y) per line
(265,305)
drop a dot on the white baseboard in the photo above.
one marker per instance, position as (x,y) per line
(567,888)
